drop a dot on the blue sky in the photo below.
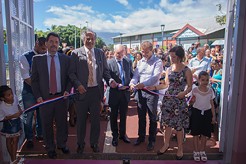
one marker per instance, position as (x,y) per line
(121,15)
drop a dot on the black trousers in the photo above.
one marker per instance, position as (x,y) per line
(120,106)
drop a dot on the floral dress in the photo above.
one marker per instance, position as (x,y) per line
(175,110)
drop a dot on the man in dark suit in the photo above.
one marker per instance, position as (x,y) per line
(87,69)
(121,71)
(49,80)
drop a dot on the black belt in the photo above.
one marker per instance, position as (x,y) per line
(92,87)
(57,93)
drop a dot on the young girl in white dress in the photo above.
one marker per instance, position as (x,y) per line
(10,116)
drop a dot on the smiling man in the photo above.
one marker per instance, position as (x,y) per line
(121,71)
(88,68)
(147,73)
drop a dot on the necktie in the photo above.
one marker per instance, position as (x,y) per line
(53,85)
(121,73)
(90,78)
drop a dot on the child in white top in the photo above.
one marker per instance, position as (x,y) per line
(9,115)
(203,115)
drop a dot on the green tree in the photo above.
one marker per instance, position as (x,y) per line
(221,19)
(99,43)
(40,33)
(111,47)
(67,35)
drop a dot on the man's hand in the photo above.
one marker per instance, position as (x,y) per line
(113,84)
(81,89)
(40,100)
(139,86)
(122,87)
(65,94)
(132,87)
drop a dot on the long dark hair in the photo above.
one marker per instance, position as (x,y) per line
(3,89)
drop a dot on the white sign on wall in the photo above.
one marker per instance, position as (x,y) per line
(188,34)
(134,45)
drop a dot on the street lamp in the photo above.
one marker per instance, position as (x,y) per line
(75,38)
(87,24)
(120,38)
(162,33)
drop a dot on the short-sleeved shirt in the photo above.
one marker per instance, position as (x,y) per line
(199,65)
(8,109)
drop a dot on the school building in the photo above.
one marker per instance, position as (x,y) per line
(205,30)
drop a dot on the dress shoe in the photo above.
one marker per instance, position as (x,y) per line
(29,144)
(150,146)
(65,150)
(72,124)
(115,141)
(39,138)
(52,154)
(138,141)
(179,157)
(95,148)
(161,153)
(80,150)
(125,139)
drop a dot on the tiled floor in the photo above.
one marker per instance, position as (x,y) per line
(123,151)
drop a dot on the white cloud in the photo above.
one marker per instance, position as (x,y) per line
(137,19)
(123,2)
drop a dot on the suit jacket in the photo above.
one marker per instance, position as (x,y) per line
(114,93)
(79,72)
(40,75)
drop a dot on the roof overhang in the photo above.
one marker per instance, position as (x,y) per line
(188,27)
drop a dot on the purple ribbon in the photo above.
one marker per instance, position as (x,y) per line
(159,94)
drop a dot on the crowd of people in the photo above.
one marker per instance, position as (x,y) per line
(160,81)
